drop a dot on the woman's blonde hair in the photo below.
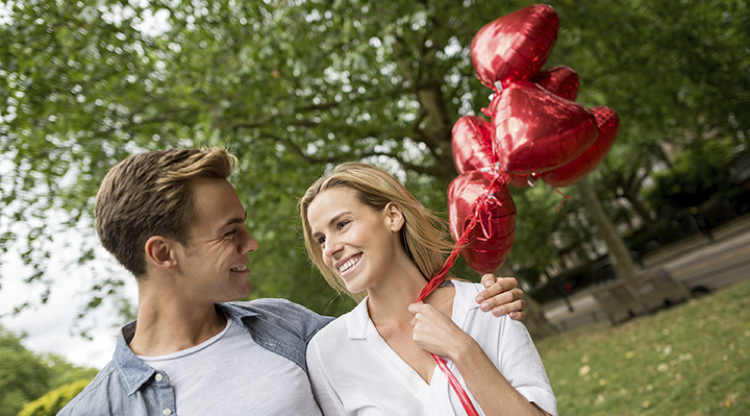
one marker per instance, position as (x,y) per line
(422,233)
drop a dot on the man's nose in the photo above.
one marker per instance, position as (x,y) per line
(249,244)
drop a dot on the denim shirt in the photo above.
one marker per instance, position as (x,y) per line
(128,386)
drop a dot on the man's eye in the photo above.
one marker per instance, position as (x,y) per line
(230,233)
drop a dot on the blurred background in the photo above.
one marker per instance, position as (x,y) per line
(295,87)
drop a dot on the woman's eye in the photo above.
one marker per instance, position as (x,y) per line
(321,241)
(343,224)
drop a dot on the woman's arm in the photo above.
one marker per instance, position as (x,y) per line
(328,401)
(437,333)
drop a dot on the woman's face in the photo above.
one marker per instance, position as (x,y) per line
(357,242)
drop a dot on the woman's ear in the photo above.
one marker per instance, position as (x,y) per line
(159,252)
(395,217)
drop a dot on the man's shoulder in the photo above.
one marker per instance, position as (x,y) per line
(94,398)
(279,313)
(265,306)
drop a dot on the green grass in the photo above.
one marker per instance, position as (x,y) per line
(691,359)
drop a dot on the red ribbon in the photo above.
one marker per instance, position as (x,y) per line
(439,278)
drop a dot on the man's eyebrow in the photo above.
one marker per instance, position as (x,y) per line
(235,220)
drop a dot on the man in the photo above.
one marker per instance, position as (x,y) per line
(173,220)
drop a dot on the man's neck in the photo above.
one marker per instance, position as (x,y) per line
(167,325)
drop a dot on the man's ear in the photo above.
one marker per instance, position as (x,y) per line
(160,253)
(395,217)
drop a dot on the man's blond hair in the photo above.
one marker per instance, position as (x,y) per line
(150,194)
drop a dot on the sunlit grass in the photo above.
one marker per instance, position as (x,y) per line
(689,360)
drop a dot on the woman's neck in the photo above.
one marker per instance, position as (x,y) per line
(388,301)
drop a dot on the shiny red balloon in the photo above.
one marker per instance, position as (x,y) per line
(522,181)
(537,131)
(608,124)
(515,46)
(472,144)
(559,80)
(493,235)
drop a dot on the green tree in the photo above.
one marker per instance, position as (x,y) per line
(295,87)
(25,376)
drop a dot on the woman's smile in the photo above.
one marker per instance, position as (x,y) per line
(349,265)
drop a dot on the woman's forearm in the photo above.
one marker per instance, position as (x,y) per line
(488,386)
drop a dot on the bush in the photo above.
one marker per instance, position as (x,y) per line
(54,401)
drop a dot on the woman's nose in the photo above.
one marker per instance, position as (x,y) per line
(331,247)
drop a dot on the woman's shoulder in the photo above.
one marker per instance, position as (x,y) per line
(466,289)
(465,304)
(339,330)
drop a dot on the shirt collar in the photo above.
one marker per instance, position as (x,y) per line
(357,322)
(236,312)
(134,371)
(359,317)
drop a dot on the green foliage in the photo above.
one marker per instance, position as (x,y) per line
(55,400)
(296,87)
(26,376)
(698,173)
(689,360)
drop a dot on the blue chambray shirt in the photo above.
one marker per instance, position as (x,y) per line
(128,386)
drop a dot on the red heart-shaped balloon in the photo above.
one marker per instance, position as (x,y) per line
(573,171)
(515,46)
(559,80)
(537,131)
(492,237)
(472,144)
(522,181)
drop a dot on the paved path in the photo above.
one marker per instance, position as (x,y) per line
(697,262)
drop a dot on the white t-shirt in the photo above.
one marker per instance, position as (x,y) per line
(353,370)
(230,374)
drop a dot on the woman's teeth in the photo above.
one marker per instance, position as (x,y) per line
(346,266)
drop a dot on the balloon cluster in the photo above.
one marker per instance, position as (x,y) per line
(537,130)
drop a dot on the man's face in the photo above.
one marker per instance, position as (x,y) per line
(213,267)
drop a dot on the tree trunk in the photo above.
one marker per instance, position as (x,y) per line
(538,326)
(633,197)
(618,251)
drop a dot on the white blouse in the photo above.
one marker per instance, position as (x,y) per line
(353,370)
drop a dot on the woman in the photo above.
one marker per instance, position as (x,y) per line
(368,235)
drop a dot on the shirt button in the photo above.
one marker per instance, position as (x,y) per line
(160,377)
(167,412)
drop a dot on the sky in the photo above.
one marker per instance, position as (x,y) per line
(51,328)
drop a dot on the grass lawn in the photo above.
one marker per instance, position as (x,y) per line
(691,359)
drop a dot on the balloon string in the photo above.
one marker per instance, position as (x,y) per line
(481,205)
(462,396)
(439,278)
(566,197)
(431,285)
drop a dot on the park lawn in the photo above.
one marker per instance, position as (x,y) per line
(691,359)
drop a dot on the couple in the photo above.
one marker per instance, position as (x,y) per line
(175,222)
